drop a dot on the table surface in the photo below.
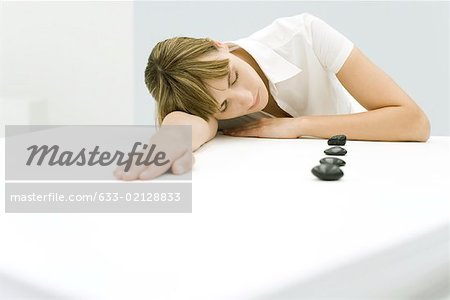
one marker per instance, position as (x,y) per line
(260,222)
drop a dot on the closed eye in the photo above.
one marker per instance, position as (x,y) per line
(224,105)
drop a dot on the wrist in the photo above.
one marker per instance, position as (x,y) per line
(300,126)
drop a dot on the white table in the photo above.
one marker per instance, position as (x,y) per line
(263,227)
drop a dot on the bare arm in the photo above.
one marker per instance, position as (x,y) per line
(392,115)
(202,131)
(181,160)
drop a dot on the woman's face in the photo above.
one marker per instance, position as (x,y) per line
(242,93)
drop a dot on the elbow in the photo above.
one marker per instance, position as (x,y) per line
(422,126)
(427,129)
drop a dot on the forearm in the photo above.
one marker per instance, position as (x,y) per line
(383,124)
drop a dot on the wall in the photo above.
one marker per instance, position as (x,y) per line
(408,40)
(87,59)
(76,56)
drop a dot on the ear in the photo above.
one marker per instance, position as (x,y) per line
(220,45)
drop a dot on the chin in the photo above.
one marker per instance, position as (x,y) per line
(263,104)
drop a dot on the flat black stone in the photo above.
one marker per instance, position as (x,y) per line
(327,172)
(337,140)
(336,151)
(333,160)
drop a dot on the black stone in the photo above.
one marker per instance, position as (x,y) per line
(333,160)
(336,151)
(327,172)
(337,140)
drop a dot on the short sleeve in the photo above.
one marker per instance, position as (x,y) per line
(331,47)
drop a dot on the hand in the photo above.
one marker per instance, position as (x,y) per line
(178,152)
(279,128)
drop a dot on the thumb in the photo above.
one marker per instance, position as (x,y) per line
(184,163)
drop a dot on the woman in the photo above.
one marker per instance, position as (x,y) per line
(296,77)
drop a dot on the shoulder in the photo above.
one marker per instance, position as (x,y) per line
(283,29)
(295,22)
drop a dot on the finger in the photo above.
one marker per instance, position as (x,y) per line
(133,172)
(246,132)
(154,170)
(239,128)
(183,164)
(118,173)
(179,166)
(254,125)
(136,170)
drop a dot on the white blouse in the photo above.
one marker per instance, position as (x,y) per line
(300,56)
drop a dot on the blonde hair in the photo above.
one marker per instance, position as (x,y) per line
(175,76)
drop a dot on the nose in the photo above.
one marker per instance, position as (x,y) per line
(245,98)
